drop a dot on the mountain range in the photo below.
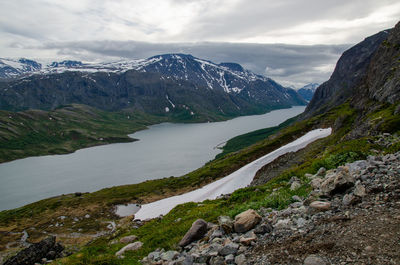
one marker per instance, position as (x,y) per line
(170,84)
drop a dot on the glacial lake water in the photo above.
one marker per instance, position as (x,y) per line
(164,150)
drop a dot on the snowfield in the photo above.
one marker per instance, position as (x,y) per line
(238,179)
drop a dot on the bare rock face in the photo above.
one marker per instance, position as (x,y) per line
(197,231)
(47,248)
(246,221)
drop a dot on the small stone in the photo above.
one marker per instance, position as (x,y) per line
(349,199)
(263,229)
(226,223)
(169,255)
(295,185)
(230,259)
(296,198)
(248,240)
(230,248)
(320,206)
(87,216)
(321,172)
(217,261)
(369,249)
(246,221)
(128,239)
(197,231)
(283,224)
(359,190)
(316,183)
(314,260)
(301,222)
(240,260)
(129,247)
(155,255)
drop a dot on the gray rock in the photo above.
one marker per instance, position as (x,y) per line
(230,259)
(320,205)
(240,260)
(321,172)
(337,181)
(349,199)
(197,231)
(283,223)
(295,185)
(169,255)
(226,223)
(231,248)
(314,260)
(217,261)
(296,198)
(128,239)
(359,190)
(263,229)
(155,255)
(129,247)
(246,221)
(301,222)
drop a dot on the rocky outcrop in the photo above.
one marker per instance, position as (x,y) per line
(43,251)
(349,72)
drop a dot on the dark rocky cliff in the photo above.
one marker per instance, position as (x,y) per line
(349,73)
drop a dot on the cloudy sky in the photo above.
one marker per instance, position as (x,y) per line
(292,41)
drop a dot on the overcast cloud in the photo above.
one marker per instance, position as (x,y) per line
(292,41)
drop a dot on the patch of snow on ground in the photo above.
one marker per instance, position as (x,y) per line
(238,179)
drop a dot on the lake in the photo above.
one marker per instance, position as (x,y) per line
(164,150)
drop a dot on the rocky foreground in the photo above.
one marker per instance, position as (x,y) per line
(352,216)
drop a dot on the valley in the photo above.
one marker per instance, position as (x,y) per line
(328,202)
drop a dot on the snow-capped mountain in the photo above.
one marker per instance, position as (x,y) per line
(230,77)
(170,84)
(12,68)
(308,91)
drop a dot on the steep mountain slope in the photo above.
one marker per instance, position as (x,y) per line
(308,91)
(349,72)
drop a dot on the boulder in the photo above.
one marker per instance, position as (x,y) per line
(246,221)
(226,223)
(320,206)
(129,247)
(197,231)
(128,239)
(337,181)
